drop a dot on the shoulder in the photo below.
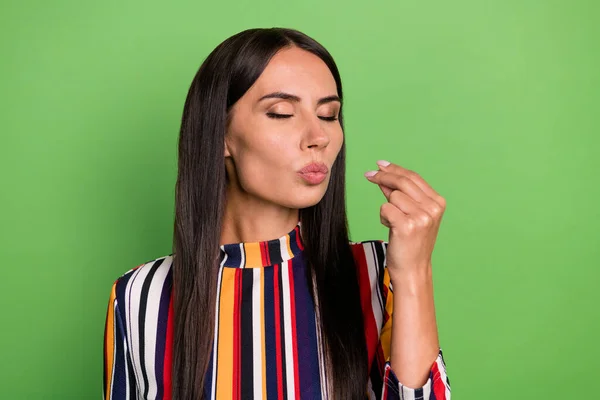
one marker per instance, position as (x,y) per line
(144,285)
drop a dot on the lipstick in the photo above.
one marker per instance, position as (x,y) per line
(314,173)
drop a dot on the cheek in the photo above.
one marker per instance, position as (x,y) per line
(265,147)
(262,160)
(266,162)
(337,140)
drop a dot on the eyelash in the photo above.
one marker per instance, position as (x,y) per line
(281,116)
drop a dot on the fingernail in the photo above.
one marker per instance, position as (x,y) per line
(370,174)
(383,163)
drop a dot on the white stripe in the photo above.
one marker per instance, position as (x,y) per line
(132,301)
(407,393)
(376,301)
(224,259)
(443,375)
(322,377)
(287,329)
(127,377)
(216,335)
(243,256)
(283,248)
(257,341)
(370,391)
(151,324)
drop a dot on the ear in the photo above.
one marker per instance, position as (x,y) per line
(226,147)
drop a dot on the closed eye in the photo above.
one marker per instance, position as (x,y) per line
(279,116)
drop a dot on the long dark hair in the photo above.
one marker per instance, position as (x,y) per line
(225,75)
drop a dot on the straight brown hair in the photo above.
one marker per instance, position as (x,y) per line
(223,78)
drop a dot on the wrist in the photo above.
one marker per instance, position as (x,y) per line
(412,280)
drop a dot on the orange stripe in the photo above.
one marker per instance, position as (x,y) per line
(262,333)
(253,255)
(288,241)
(278,328)
(385,337)
(109,340)
(225,334)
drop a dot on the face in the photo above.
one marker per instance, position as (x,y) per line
(281,150)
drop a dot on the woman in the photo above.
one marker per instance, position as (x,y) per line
(260,214)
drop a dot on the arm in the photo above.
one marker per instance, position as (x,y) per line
(416,366)
(413,214)
(119,382)
(415,342)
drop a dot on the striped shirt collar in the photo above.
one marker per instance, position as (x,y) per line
(263,254)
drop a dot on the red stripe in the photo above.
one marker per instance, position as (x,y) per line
(438,386)
(384,392)
(264,253)
(380,358)
(239,343)
(239,334)
(268,254)
(298,239)
(236,335)
(365,299)
(167,362)
(294,339)
(278,332)
(136,267)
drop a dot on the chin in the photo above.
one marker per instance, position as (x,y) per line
(305,197)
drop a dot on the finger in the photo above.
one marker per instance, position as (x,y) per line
(419,181)
(391,216)
(404,184)
(386,191)
(398,182)
(404,203)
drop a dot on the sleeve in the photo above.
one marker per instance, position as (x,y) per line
(437,386)
(119,382)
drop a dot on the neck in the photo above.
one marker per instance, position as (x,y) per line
(248,219)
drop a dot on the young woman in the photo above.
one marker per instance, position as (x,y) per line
(264,295)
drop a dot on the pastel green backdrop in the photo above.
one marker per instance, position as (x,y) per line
(495,104)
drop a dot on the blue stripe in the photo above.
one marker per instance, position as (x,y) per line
(306,333)
(270,344)
(119,385)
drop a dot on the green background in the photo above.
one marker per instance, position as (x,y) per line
(494,103)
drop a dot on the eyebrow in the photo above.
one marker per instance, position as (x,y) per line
(294,98)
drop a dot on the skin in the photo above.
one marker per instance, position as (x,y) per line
(263,154)
(260,150)
(413,213)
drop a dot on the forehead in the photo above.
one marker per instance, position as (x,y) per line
(296,71)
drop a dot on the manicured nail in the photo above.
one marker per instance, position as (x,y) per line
(370,174)
(383,163)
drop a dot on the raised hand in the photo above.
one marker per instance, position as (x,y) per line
(413,213)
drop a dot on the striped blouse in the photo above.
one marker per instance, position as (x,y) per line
(266,336)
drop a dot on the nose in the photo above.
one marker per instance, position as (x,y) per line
(315,136)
